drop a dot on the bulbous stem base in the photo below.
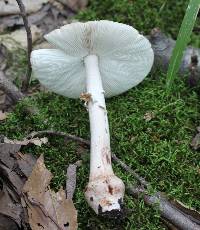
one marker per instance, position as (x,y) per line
(105,194)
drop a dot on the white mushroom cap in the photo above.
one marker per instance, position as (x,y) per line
(125,57)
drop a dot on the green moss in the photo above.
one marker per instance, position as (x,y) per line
(142,14)
(158,149)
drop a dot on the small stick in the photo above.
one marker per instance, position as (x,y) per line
(62,134)
(87,143)
(168,211)
(25,82)
(129,170)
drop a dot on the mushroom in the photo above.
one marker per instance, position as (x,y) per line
(94,60)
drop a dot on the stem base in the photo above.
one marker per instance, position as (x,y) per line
(105,194)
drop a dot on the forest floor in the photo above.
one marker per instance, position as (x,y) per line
(149,131)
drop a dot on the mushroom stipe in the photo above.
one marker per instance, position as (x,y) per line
(94,60)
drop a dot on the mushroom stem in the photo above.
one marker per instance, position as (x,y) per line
(100,159)
(105,191)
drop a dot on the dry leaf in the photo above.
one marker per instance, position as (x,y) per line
(86,97)
(149,116)
(15,168)
(71,179)
(36,141)
(3,115)
(46,209)
(7,224)
(9,208)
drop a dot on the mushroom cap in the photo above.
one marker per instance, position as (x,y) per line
(125,57)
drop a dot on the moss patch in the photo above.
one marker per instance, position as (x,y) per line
(142,14)
(158,148)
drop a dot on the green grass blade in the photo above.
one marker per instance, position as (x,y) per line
(182,41)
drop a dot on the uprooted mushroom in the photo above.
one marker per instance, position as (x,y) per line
(94,60)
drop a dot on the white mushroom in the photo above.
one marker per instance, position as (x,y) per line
(95,59)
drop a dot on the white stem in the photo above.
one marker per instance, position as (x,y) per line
(104,191)
(100,156)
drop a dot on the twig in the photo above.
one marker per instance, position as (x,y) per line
(129,170)
(62,134)
(87,143)
(25,83)
(170,212)
(9,88)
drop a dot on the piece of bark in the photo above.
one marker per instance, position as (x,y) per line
(47,209)
(10,89)
(163,47)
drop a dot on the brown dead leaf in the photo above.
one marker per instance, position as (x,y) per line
(149,116)
(86,97)
(15,167)
(71,179)
(46,209)
(7,224)
(3,115)
(36,141)
(8,207)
